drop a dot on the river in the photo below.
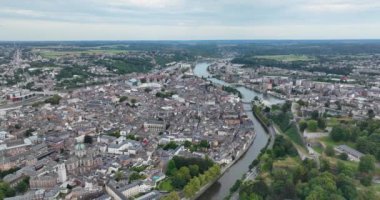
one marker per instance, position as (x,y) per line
(220,189)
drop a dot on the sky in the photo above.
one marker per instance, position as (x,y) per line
(188,19)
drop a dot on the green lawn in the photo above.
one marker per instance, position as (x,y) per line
(287,163)
(166,185)
(292,132)
(329,142)
(287,58)
(333,121)
(318,149)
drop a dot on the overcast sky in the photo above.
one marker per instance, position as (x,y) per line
(188,19)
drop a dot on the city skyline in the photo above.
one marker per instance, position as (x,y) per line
(188,20)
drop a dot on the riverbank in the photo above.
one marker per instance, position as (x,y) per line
(224,169)
(219,189)
(263,124)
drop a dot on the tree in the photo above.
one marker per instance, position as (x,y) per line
(147,90)
(181,177)
(204,144)
(172,168)
(371,114)
(119,175)
(189,191)
(187,144)
(302,103)
(170,145)
(365,179)
(29,132)
(6,190)
(286,106)
(343,156)
(17,126)
(214,170)
(303,125)
(194,170)
(133,101)
(202,179)
(346,185)
(315,115)
(344,169)
(329,151)
(266,109)
(22,187)
(312,125)
(325,165)
(87,139)
(338,133)
(192,187)
(135,176)
(123,98)
(54,100)
(366,164)
(236,186)
(321,123)
(261,188)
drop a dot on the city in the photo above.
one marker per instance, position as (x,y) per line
(101,133)
(189,100)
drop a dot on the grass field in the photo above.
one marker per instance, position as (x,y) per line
(333,121)
(287,58)
(293,134)
(318,149)
(166,185)
(287,163)
(329,142)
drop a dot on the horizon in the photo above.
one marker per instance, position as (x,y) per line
(204,40)
(156,20)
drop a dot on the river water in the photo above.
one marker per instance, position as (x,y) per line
(220,189)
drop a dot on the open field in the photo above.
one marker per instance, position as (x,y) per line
(333,121)
(166,185)
(329,142)
(287,58)
(288,162)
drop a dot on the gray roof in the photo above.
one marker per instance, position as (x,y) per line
(350,151)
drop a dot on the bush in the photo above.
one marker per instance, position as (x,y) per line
(329,151)
(312,125)
(54,100)
(343,156)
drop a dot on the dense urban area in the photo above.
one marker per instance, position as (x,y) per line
(168,120)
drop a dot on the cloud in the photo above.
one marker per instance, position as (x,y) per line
(339,6)
(21,12)
(145,3)
(186,18)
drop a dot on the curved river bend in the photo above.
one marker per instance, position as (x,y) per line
(220,189)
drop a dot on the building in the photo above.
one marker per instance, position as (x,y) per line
(14,179)
(83,160)
(353,154)
(114,192)
(61,171)
(154,126)
(46,181)
(135,188)
(128,147)
(154,195)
